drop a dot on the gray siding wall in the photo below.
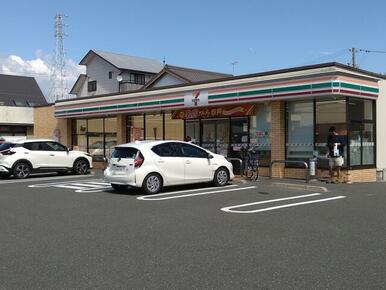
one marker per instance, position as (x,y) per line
(98,70)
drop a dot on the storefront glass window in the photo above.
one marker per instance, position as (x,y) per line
(208,135)
(154,127)
(174,128)
(300,130)
(260,133)
(193,131)
(110,135)
(96,136)
(368,144)
(362,132)
(135,128)
(329,112)
(222,137)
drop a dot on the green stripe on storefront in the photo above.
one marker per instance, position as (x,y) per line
(294,88)
(123,106)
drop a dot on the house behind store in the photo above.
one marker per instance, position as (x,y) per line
(18,96)
(285,113)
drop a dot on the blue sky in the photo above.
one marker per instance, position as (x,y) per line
(260,35)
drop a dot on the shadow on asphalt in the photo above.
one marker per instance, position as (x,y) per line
(169,189)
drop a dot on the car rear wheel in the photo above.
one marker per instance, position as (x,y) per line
(21,170)
(152,184)
(119,187)
(221,177)
(81,167)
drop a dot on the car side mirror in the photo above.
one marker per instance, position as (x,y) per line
(210,156)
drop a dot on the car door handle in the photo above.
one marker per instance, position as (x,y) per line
(161,161)
(52,154)
(188,162)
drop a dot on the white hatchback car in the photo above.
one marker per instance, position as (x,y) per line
(21,158)
(150,165)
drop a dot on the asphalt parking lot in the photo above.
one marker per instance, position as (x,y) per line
(76,232)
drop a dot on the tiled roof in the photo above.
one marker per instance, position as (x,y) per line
(125,62)
(188,75)
(18,90)
(196,75)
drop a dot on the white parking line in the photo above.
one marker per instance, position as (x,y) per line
(62,182)
(150,197)
(231,208)
(35,179)
(87,185)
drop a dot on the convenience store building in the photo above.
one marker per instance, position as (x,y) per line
(285,113)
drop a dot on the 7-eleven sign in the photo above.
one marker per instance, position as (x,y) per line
(196,99)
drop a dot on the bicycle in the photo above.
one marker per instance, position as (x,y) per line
(252,165)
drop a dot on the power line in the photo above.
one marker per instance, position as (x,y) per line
(372,51)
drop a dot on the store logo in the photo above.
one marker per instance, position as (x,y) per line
(196,98)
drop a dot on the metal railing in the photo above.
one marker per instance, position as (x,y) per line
(290,162)
(241,164)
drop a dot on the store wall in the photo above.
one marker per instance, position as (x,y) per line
(45,123)
(48,127)
(381,121)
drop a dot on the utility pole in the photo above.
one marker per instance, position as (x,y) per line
(353,57)
(58,86)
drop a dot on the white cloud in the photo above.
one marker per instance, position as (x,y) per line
(40,67)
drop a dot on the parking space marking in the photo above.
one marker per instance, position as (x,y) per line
(158,198)
(36,179)
(231,209)
(50,184)
(93,185)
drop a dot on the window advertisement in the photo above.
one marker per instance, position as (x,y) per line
(260,133)
(329,112)
(135,128)
(174,128)
(300,130)
(154,127)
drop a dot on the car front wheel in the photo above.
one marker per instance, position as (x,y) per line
(152,184)
(80,167)
(21,170)
(221,177)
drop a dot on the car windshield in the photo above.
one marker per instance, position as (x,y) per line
(6,146)
(124,152)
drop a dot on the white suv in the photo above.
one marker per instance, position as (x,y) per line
(152,165)
(24,157)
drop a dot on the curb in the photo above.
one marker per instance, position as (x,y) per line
(300,186)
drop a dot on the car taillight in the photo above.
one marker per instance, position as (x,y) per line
(7,152)
(138,160)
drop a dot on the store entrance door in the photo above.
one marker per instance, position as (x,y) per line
(215,135)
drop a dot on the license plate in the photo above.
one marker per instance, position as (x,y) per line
(119,168)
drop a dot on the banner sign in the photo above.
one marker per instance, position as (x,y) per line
(214,112)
